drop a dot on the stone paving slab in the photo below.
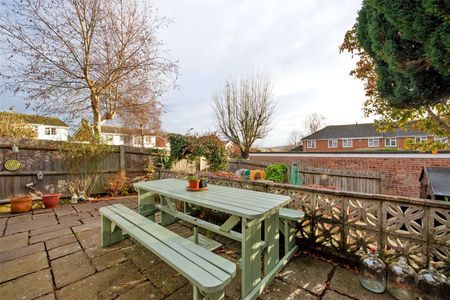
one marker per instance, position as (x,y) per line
(13,241)
(21,266)
(347,282)
(57,254)
(64,250)
(21,252)
(28,287)
(71,268)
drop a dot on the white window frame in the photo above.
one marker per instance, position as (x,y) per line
(147,139)
(333,143)
(347,143)
(311,144)
(121,139)
(373,143)
(389,144)
(50,131)
(421,139)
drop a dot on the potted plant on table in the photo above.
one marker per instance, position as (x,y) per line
(203,181)
(194,182)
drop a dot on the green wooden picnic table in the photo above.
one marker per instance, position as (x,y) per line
(258,213)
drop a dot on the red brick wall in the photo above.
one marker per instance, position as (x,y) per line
(401,173)
(358,144)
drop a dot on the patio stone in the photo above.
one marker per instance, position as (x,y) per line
(50,235)
(61,241)
(91,242)
(20,219)
(54,228)
(331,295)
(143,291)
(308,273)
(64,250)
(22,266)
(14,241)
(73,217)
(142,257)
(47,297)
(64,210)
(280,290)
(106,284)
(28,287)
(87,226)
(71,268)
(108,260)
(347,282)
(165,278)
(184,293)
(21,226)
(42,211)
(21,252)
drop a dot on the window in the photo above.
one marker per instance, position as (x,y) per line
(107,137)
(50,131)
(332,143)
(311,144)
(121,139)
(421,138)
(148,140)
(347,143)
(373,142)
(390,142)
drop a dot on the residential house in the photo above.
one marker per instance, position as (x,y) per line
(133,137)
(232,149)
(358,137)
(46,128)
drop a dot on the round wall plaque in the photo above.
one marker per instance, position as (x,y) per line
(12,165)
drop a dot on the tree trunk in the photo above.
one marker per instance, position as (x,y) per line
(245,154)
(96,126)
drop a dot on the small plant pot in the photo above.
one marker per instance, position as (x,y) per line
(194,184)
(51,200)
(21,204)
(203,184)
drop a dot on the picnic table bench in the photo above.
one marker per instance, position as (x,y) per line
(208,272)
(260,216)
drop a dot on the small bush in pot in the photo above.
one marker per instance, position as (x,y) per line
(194,181)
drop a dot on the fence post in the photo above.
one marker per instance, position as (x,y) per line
(122,158)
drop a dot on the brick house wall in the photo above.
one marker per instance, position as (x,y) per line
(357,144)
(401,171)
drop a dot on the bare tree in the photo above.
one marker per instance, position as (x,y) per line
(83,57)
(314,122)
(295,138)
(146,118)
(243,110)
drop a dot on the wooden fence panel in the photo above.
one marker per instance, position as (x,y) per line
(42,156)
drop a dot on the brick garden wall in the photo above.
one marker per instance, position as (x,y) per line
(400,171)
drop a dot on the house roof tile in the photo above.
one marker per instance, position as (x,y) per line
(35,119)
(358,131)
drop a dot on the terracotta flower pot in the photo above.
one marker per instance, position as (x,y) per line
(21,204)
(51,200)
(193,184)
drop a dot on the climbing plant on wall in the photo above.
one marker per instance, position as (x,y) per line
(193,147)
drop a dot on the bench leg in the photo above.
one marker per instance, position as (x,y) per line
(167,219)
(111,234)
(289,235)
(198,295)
(146,202)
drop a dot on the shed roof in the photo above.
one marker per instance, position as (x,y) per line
(439,179)
(358,131)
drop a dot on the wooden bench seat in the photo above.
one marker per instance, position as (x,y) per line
(288,220)
(208,272)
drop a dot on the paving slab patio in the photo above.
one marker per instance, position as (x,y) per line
(57,254)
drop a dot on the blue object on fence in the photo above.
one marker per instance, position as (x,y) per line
(246,174)
(295,174)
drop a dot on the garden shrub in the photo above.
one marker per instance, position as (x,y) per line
(276,172)
(118,184)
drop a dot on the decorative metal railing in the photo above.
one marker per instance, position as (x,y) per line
(345,223)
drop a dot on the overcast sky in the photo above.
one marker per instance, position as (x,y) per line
(295,41)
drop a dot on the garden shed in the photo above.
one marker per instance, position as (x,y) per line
(435,183)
